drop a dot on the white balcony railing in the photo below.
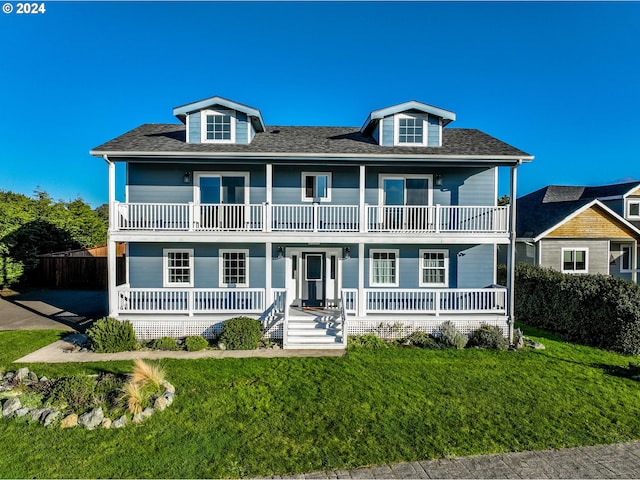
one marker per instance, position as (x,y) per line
(309,218)
(190,300)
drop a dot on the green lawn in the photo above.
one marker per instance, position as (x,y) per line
(258,417)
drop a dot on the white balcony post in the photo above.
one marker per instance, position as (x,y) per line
(269,196)
(191,302)
(363,207)
(268,247)
(438,220)
(191,221)
(511,256)
(316,220)
(362,300)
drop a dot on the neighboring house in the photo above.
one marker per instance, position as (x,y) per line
(309,228)
(576,230)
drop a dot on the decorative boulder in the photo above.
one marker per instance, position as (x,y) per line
(106,423)
(21,412)
(119,422)
(92,419)
(168,396)
(10,407)
(160,404)
(168,387)
(49,417)
(37,413)
(21,375)
(69,421)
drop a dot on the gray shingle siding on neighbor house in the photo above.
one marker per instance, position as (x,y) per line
(598,256)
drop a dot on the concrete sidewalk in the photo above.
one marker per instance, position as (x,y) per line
(601,461)
(64,351)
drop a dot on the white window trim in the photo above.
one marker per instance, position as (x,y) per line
(384,250)
(203,125)
(221,253)
(421,268)
(622,249)
(165,267)
(385,176)
(198,175)
(633,202)
(311,199)
(396,131)
(575,249)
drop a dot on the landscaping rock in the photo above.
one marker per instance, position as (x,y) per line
(8,376)
(106,423)
(21,412)
(44,379)
(168,387)
(160,404)
(32,377)
(69,421)
(10,407)
(36,413)
(119,422)
(146,413)
(168,396)
(92,419)
(21,375)
(49,417)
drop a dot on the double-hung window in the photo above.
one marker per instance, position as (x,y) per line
(410,130)
(434,268)
(217,127)
(383,268)
(316,186)
(234,268)
(575,260)
(178,267)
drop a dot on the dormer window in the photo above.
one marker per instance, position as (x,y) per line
(410,131)
(218,126)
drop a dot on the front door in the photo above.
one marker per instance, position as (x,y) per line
(313,287)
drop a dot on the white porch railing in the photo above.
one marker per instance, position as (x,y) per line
(310,218)
(446,300)
(190,300)
(350,299)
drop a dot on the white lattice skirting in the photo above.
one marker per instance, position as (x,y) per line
(148,329)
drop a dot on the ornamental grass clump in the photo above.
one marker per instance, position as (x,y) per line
(135,397)
(145,373)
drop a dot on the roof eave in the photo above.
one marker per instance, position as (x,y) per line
(446,115)
(182,111)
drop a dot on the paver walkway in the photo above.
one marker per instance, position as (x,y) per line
(602,461)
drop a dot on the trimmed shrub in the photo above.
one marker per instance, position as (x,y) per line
(422,340)
(488,336)
(368,340)
(594,310)
(451,337)
(241,333)
(195,343)
(165,343)
(109,335)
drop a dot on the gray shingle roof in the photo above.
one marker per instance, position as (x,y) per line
(545,208)
(306,140)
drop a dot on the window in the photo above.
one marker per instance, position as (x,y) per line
(434,268)
(234,268)
(634,209)
(625,258)
(178,268)
(316,187)
(409,130)
(574,260)
(218,127)
(384,268)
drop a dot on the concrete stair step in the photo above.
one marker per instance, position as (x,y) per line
(316,339)
(318,346)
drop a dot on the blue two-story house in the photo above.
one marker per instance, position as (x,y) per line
(321,232)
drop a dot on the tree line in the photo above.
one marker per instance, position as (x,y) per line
(32,226)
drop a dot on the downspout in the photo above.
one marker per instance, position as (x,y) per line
(511,258)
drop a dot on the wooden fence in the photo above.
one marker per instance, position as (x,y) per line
(75,272)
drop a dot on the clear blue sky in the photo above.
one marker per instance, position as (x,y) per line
(558,80)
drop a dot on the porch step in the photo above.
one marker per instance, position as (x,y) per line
(314,333)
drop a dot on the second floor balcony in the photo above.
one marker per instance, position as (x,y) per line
(304,218)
